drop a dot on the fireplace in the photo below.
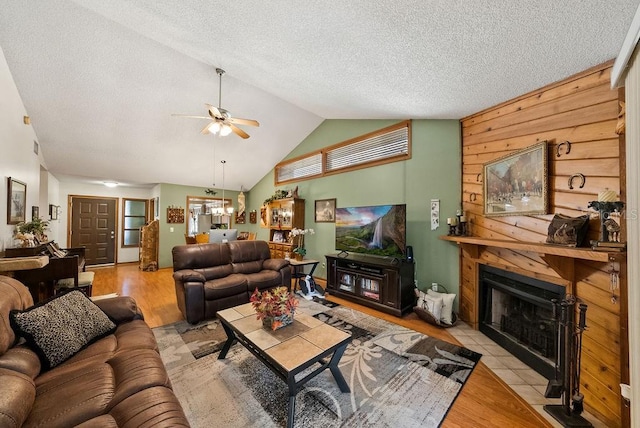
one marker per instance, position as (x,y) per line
(516,312)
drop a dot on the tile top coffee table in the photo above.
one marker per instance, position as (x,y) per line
(306,344)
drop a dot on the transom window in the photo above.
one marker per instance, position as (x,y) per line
(390,144)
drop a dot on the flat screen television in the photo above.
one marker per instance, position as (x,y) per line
(379,230)
(223,235)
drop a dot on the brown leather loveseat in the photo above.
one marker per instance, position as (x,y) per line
(212,277)
(118,380)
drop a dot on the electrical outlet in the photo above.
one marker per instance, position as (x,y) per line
(324,265)
(434,286)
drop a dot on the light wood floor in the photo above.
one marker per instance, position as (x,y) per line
(485,400)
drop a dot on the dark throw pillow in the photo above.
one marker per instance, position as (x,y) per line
(60,327)
(569,231)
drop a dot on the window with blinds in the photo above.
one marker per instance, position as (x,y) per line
(386,145)
(305,167)
(370,150)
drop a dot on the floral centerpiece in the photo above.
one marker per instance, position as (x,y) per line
(274,307)
(297,238)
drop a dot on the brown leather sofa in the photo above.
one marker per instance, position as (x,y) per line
(117,381)
(212,277)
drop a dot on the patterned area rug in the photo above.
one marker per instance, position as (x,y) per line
(398,377)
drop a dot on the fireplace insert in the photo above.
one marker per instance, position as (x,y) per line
(516,312)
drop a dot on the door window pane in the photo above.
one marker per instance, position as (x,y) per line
(134,215)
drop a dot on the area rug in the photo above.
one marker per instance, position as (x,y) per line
(398,377)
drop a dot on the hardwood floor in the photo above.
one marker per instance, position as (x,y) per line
(485,400)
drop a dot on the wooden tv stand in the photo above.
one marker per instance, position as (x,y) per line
(382,283)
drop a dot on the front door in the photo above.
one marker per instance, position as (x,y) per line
(93,226)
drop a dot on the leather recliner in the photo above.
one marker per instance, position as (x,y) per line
(212,277)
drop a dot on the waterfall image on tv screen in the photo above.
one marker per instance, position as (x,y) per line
(378,230)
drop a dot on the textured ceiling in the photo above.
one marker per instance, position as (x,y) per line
(100,80)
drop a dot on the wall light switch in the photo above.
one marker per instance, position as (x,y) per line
(171,229)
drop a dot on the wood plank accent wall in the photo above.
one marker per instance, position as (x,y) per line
(583,110)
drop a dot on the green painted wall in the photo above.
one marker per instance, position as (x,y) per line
(432,173)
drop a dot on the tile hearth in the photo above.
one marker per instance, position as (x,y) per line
(523,380)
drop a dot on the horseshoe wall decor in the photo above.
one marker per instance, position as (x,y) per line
(583,179)
(559,146)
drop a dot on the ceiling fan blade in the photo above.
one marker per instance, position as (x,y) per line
(205,130)
(240,121)
(213,111)
(238,131)
(190,115)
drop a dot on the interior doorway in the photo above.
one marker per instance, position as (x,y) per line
(93,225)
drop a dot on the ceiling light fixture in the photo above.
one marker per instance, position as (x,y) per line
(225,130)
(111,184)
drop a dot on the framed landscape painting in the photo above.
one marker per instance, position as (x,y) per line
(17,201)
(517,184)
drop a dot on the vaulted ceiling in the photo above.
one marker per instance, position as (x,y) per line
(101,79)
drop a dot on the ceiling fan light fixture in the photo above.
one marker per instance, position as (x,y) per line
(222,123)
(214,127)
(225,130)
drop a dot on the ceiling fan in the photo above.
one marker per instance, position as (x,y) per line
(221,121)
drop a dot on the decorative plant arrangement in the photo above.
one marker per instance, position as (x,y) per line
(31,233)
(275,307)
(297,238)
(281,194)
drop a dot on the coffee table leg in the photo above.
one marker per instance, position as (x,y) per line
(335,370)
(292,409)
(231,337)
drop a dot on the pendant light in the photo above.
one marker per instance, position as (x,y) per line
(225,211)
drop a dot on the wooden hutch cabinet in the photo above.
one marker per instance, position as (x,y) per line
(282,216)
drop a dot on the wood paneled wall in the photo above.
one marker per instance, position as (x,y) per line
(583,110)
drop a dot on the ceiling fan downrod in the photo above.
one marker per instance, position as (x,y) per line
(220,73)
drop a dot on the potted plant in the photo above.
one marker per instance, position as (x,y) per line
(297,237)
(32,232)
(299,253)
(275,307)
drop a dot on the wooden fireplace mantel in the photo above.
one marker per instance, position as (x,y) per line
(561,259)
(536,247)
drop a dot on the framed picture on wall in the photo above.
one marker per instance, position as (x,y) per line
(53,211)
(517,184)
(16,201)
(325,211)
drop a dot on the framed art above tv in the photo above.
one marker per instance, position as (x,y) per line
(516,184)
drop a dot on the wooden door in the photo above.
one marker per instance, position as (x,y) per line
(94,226)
